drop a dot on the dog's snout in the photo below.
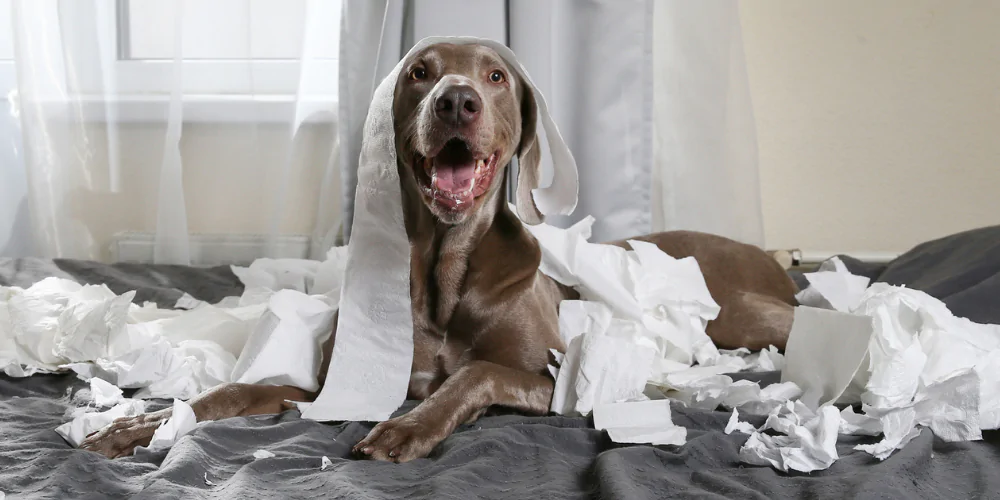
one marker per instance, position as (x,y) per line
(458,105)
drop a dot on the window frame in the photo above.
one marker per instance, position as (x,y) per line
(213,90)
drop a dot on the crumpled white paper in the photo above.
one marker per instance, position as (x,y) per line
(57,324)
(286,345)
(104,394)
(899,352)
(181,422)
(279,274)
(639,422)
(85,424)
(735,425)
(832,286)
(642,316)
(262,454)
(636,332)
(809,443)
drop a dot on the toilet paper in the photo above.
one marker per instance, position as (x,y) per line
(182,421)
(900,353)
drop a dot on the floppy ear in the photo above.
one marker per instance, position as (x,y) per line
(529,157)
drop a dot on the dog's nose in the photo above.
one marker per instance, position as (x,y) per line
(458,105)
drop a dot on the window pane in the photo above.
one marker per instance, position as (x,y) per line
(226,29)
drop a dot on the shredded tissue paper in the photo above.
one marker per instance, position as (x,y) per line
(635,342)
(267,335)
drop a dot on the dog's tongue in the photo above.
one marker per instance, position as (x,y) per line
(455,178)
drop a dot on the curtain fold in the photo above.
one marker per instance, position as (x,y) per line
(705,170)
(593,61)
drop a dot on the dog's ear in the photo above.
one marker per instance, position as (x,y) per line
(529,157)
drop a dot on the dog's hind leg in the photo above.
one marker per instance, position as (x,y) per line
(753,321)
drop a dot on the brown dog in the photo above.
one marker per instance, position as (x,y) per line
(484,317)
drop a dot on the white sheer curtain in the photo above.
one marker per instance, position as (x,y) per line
(651,96)
(242,150)
(705,174)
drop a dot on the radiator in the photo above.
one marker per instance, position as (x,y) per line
(212,249)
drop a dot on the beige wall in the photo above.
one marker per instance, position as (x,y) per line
(878,120)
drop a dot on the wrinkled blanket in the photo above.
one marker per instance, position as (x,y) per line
(499,456)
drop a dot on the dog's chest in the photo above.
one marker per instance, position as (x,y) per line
(436,356)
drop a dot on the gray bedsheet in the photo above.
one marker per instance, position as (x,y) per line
(500,456)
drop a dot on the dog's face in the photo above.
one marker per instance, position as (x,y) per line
(460,115)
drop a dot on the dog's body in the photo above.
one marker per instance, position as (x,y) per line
(484,317)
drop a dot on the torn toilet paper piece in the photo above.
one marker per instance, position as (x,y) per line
(841,339)
(286,346)
(639,422)
(734,424)
(602,369)
(833,287)
(85,424)
(325,463)
(307,276)
(856,424)
(104,394)
(279,274)
(899,428)
(262,454)
(809,443)
(181,422)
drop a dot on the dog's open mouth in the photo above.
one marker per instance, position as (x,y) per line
(455,177)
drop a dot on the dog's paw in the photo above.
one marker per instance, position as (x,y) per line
(401,439)
(121,437)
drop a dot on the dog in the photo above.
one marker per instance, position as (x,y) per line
(484,317)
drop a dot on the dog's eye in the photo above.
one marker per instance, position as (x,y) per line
(418,74)
(497,77)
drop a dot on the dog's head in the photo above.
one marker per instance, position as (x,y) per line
(461,113)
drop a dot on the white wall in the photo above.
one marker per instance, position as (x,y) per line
(878,121)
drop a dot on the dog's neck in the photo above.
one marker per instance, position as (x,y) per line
(440,253)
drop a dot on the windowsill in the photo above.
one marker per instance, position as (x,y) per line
(213,94)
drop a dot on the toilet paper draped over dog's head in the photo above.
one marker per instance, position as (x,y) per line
(370,365)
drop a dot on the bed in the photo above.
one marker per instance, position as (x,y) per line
(502,455)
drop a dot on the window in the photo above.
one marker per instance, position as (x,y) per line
(242,60)
(229,47)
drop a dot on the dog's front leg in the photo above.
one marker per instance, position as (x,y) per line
(462,397)
(121,437)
